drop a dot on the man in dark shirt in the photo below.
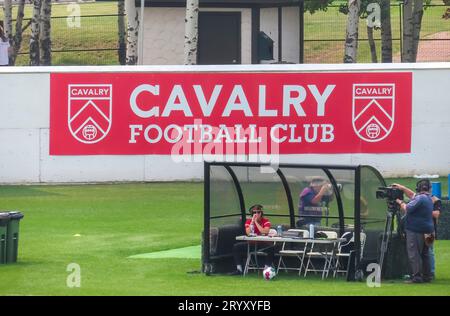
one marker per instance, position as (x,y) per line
(419,221)
(310,201)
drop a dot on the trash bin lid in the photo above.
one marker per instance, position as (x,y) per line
(4,218)
(15,215)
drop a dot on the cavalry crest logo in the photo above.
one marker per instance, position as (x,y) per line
(90,111)
(373,112)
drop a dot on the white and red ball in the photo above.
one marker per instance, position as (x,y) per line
(269,273)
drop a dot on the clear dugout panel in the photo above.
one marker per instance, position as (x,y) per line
(373,212)
(301,183)
(224,199)
(299,180)
(262,185)
(345,180)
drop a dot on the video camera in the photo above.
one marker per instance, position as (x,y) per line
(389,193)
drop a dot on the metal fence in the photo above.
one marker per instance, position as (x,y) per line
(325,36)
(93,40)
(82,40)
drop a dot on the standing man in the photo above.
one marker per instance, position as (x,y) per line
(419,223)
(310,201)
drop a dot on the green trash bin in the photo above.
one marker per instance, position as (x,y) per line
(4,219)
(12,236)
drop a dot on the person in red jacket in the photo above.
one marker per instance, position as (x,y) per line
(256,225)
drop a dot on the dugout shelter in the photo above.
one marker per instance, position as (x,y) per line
(230,188)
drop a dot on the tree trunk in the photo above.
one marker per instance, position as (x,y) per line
(351,37)
(17,43)
(386,32)
(407,32)
(34,39)
(45,42)
(121,29)
(412,24)
(417,26)
(446,14)
(7,24)
(132,32)
(191,32)
(372,45)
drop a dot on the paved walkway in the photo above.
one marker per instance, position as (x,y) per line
(433,50)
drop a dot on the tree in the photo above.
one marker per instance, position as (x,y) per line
(121,30)
(191,32)
(351,37)
(316,5)
(386,31)
(34,39)
(417,25)
(446,14)
(372,45)
(371,12)
(132,32)
(7,25)
(45,42)
(15,38)
(412,24)
(17,42)
(378,15)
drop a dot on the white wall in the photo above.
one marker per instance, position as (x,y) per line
(290,45)
(268,23)
(24,129)
(163,45)
(164,35)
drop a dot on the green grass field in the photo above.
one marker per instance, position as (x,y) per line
(115,221)
(101,32)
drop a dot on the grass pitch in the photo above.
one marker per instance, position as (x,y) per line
(100,226)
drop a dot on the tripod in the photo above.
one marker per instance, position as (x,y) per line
(326,207)
(391,213)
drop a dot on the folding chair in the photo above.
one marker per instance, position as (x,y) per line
(294,250)
(343,253)
(321,251)
(253,252)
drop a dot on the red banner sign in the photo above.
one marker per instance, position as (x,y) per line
(230,113)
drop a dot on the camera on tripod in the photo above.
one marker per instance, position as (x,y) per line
(391,194)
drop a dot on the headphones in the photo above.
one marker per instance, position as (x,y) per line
(423,185)
(258,207)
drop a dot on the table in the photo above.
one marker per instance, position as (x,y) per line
(328,256)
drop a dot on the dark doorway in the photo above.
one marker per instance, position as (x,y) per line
(219,38)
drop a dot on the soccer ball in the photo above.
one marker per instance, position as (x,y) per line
(269,273)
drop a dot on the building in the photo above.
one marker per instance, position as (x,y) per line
(230,31)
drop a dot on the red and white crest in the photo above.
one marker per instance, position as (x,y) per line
(373,111)
(90,111)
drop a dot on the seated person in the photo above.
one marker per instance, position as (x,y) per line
(310,202)
(261,226)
